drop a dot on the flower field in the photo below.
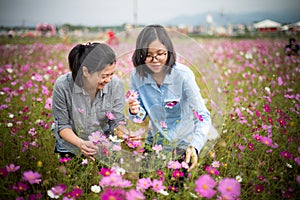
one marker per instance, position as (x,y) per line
(257,155)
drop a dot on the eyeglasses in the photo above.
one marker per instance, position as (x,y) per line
(158,57)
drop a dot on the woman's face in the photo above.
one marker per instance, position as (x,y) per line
(156,57)
(100,79)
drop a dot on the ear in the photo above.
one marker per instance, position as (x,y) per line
(85,71)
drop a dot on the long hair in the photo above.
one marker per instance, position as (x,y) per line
(149,34)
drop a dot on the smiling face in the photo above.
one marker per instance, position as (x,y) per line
(156,57)
(99,79)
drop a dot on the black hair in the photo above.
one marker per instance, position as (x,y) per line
(94,56)
(149,34)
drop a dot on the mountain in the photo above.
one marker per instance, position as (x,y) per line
(233,18)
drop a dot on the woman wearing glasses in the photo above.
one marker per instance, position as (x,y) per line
(86,100)
(168,94)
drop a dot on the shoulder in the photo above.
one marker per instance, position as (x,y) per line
(63,81)
(181,69)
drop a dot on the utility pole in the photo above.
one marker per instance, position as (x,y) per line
(135,16)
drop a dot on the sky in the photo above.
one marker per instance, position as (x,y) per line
(118,12)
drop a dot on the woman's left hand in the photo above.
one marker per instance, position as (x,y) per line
(191,156)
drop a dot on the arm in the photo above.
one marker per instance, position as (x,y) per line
(62,118)
(196,103)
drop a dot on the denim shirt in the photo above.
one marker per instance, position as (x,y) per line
(72,108)
(171,108)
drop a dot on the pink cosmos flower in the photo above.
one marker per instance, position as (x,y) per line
(32,177)
(110,116)
(266,140)
(163,124)
(115,194)
(12,168)
(96,137)
(174,165)
(157,148)
(111,180)
(143,184)
(204,186)
(135,195)
(297,160)
(137,120)
(48,104)
(229,187)
(298,179)
(56,191)
(157,185)
(131,94)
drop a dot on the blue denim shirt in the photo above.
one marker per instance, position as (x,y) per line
(183,128)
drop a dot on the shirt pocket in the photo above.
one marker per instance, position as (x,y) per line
(172,107)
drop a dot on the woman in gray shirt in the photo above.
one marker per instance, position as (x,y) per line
(87,99)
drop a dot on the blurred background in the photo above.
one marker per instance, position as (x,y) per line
(102,19)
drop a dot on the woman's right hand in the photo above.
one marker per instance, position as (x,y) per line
(134,106)
(88,149)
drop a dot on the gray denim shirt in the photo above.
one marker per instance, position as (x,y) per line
(72,108)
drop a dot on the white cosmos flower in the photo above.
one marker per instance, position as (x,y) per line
(239,178)
(96,188)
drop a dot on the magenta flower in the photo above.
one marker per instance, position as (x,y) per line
(198,116)
(105,171)
(251,146)
(171,104)
(76,192)
(204,186)
(143,184)
(258,188)
(134,195)
(177,174)
(114,194)
(3,172)
(281,122)
(229,187)
(64,160)
(257,137)
(32,177)
(286,154)
(20,187)
(157,185)
(212,170)
(267,108)
(12,168)
(173,188)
